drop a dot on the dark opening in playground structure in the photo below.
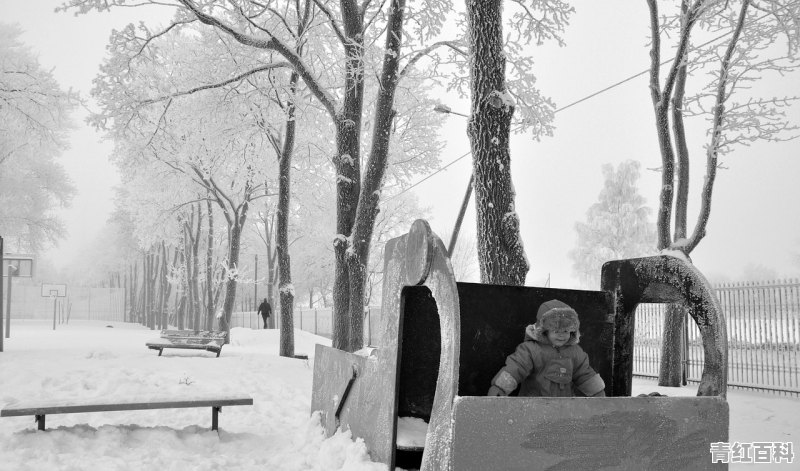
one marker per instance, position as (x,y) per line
(441,342)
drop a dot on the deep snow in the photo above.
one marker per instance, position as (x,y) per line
(109,360)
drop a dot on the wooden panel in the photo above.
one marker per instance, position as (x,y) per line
(493,322)
(665,279)
(577,434)
(206,335)
(54,407)
(366,411)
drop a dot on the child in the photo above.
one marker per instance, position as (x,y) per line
(549,361)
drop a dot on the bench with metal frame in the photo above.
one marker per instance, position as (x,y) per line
(40,409)
(208,340)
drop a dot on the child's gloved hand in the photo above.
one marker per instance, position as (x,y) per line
(495,391)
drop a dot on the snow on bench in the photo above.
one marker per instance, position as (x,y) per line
(211,341)
(41,408)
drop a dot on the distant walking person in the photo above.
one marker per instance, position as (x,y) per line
(265,310)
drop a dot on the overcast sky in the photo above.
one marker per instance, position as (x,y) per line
(754,218)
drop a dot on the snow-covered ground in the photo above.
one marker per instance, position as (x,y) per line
(109,360)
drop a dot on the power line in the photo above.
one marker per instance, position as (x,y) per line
(587,97)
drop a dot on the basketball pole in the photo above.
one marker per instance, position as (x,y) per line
(1,293)
(11,271)
(54,310)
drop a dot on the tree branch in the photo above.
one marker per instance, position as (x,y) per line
(716,134)
(274,44)
(454,45)
(334,24)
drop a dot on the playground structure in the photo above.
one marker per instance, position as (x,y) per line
(441,342)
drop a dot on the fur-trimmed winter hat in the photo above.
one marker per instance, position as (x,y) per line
(556,315)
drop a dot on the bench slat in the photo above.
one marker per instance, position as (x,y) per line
(193,346)
(52,407)
(200,334)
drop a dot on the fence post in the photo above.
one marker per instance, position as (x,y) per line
(369,325)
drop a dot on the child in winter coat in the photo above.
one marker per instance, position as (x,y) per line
(549,362)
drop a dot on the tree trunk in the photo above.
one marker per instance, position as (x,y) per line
(168,290)
(158,286)
(164,285)
(197,300)
(151,290)
(286,290)
(235,232)
(500,252)
(187,276)
(132,292)
(209,324)
(348,167)
(369,197)
(146,289)
(669,373)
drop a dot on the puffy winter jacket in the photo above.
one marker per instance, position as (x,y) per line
(544,370)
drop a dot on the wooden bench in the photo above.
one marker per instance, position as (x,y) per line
(211,341)
(40,409)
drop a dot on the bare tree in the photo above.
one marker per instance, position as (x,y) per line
(729,64)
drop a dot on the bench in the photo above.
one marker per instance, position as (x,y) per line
(211,341)
(40,409)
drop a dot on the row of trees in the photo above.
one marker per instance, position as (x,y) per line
(262,85)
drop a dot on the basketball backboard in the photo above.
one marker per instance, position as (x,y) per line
(22,264)
(54,290)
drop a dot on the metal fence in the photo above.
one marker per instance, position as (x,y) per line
(80,303)
(763,323)
(316,321)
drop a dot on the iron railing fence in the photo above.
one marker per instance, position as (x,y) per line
(763,324)
(317,321)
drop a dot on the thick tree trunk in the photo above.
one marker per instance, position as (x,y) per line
(348,167)
(500,253)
